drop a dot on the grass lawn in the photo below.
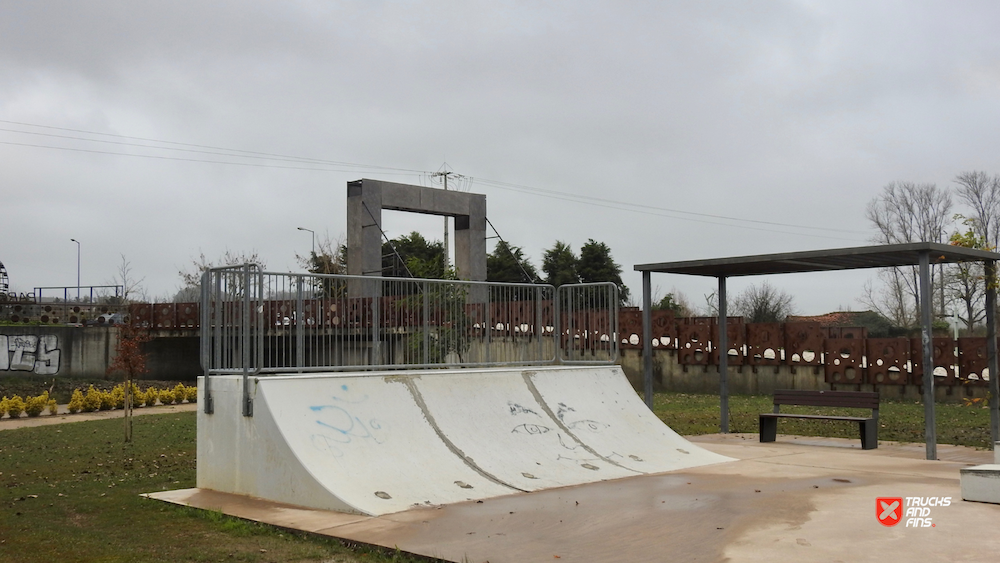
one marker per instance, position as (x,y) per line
(70,492)
(898,421)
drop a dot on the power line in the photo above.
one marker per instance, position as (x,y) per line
(581,198)
(181,159)
(270,156)
(332,165)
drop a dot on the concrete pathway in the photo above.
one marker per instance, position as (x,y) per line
(797,499)
(7,423)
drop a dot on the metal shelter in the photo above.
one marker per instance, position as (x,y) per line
(922,254)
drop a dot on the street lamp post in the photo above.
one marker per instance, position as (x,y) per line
(313,237)
(77,269)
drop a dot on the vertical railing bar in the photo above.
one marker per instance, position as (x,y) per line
(488,316)
(245,338)
(425,323)
(206,341)
(299,320)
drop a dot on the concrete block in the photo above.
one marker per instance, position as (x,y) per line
(981,483)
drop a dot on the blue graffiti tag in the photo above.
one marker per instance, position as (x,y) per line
(342,427)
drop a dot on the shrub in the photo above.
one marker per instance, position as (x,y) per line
(118,396)
(192,393)
(35,405)
(166,396)
(180,393)
(107,401)
(149,397)
(76,402)
(53,407)
(137,395)
(15,406)
(3,406)
(92,400)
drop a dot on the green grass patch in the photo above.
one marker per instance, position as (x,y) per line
(692,414)
(70,493)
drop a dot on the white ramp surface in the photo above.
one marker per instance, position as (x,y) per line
(383,442)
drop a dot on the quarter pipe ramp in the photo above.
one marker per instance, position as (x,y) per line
(383,442)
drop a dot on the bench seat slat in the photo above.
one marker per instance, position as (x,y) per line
(849,399)
(814,416)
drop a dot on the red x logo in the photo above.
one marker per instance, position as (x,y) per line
(889,510)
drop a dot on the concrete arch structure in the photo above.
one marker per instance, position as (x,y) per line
(367,198)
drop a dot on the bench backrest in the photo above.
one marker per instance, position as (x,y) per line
(846,399)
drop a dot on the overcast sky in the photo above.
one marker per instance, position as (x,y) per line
(668,130)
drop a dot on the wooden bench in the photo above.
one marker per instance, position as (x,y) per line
(845,399)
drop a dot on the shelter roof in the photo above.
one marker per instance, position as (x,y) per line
(823,260)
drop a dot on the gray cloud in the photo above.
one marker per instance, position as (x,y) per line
(786,112)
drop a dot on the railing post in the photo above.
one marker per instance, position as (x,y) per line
(539,328)
(300,336)
(206,341)
(487,316)
(246,341)
(426,324)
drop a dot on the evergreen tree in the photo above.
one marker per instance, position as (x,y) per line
(559,265)
(423,258)
(597,265)
(507,264)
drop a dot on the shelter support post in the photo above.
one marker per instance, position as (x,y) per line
(647,342)
(723,346)
(930,428)
(991,349)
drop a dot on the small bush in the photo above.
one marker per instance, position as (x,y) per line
(118,396)
(35,405)
(92,400)
(3,406)
(15,406)
(137,395)
(180,393)
(76,402)
(149,397)
(53,407)
(166,396)
(192,393)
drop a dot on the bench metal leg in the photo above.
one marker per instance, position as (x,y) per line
(869,434)
(768,429)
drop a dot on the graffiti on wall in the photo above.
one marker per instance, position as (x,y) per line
(29,352)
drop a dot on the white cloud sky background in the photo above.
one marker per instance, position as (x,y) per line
(793,113)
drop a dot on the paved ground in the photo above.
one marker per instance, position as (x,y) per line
(797,499)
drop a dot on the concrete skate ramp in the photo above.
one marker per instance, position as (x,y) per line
(383,442)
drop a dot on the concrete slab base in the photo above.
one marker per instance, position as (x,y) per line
(782,501)
(981,483)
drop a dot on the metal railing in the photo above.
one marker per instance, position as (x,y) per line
(255,322)
(589,330)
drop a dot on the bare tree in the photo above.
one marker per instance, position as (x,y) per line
(981,192)
(763,303)
(132,287)
(191,276)
(329,258)
(907,212)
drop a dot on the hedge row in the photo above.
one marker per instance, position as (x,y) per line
(97,400)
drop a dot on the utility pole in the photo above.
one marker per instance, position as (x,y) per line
(447,253)
(444,174)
